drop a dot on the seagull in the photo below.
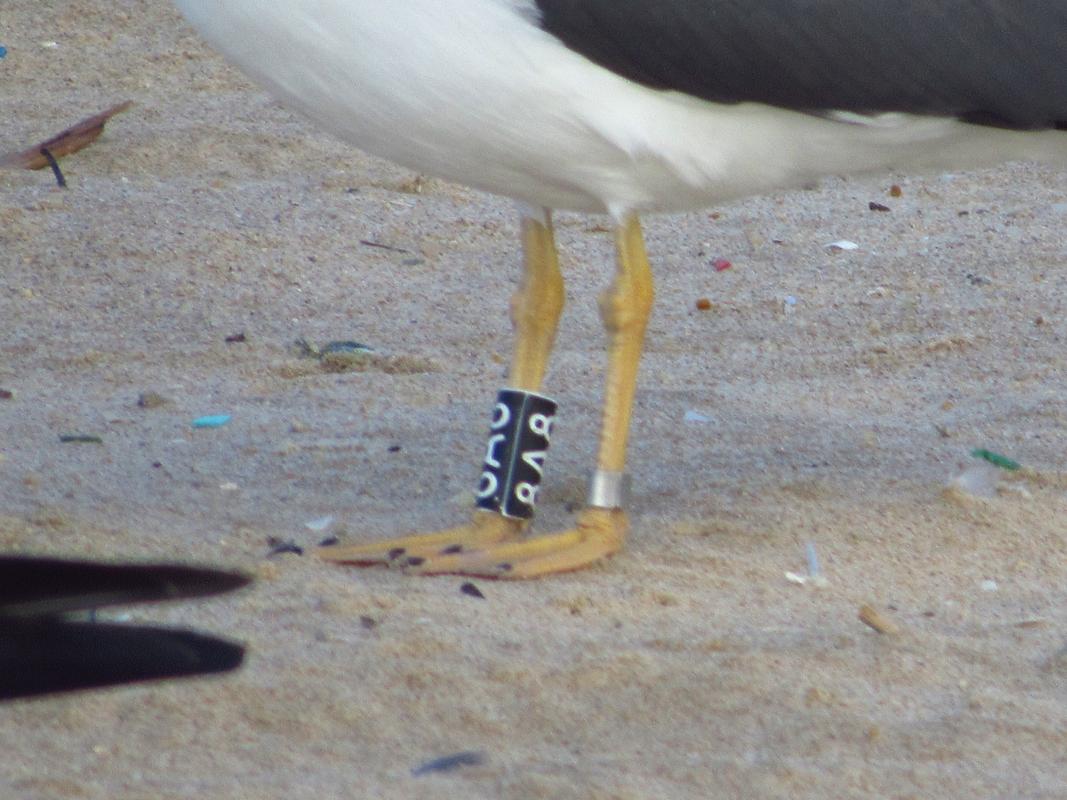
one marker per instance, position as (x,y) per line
(44,651)
(631,107)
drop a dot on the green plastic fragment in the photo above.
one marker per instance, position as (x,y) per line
(996,459)
(346,347)
(80,438)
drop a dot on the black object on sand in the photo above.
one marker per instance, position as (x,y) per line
(43,650)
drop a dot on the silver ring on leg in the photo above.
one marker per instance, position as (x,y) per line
(609,489)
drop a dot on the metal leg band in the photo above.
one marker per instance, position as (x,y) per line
(609,489)
(515,456)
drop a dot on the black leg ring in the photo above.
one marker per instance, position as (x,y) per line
(515,456)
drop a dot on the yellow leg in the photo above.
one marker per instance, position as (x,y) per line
(624,309)
(535,312)
(599,532)
(536,306)
(490,546)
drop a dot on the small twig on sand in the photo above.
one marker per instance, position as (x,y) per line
(60,178)
(369,243)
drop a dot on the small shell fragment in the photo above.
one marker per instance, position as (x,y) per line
(873,618)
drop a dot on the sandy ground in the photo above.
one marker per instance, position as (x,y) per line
(839,392)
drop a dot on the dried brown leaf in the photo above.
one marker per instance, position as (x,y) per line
(69,141)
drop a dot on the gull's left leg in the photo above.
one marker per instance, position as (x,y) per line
(601,527)
(535,312)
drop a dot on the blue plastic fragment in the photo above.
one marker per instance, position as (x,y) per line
(813,560)
(3,51)
(469,758)
(211,421)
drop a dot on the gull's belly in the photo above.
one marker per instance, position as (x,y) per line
(469,91)
(474,91)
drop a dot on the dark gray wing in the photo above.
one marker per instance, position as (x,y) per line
(42,656)
(46,586)
(996,62)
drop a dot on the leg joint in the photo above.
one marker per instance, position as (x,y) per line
(627,303)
